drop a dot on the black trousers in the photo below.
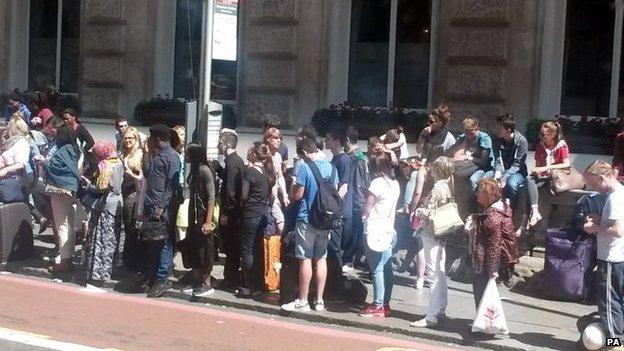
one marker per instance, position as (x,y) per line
(133,253)
(230,240)
(251,233)
(334,261)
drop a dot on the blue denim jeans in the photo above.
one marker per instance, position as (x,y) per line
(165,264)
(477,176)
(381,267)
(512,189)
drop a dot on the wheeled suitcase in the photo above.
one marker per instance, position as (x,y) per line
(568,265)
(16,232)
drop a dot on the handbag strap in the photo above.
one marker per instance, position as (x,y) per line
(452,188)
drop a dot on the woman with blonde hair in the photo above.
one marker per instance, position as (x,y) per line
(16,171)
(132,159)
(273,139)
(435,254)
(551,153)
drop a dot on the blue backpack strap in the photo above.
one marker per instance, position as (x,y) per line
(315,172)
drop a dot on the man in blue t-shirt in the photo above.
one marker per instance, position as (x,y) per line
(341,241)
(310,243)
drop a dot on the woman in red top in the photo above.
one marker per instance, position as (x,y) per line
(551,153)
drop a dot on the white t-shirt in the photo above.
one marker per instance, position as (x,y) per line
(611,248)
(403,148)
(387,192)
(18,153)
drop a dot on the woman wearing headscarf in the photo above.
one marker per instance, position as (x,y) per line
(105,220)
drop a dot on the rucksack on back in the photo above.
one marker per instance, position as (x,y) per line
(326,210)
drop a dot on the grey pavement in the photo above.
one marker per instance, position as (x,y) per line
(534,323)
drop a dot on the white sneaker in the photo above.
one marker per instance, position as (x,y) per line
(420,283)
(296,306)
(319,306)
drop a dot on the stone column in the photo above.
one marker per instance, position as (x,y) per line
(4,18)
(282,60)
(486,58)
(117,56)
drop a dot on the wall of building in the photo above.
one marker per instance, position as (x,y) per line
(117,49)
(4,18)
(282,59)
(487,58)
(14,42)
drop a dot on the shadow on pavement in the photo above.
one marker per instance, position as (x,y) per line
(537,339)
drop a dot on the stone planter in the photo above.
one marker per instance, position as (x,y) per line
(168,117)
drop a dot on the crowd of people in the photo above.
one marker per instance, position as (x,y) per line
(331,213)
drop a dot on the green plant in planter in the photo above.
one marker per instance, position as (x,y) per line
(532,130)
(160,109)
(370,121)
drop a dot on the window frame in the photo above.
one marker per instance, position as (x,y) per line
(551,84)
(392,44)
(58,51)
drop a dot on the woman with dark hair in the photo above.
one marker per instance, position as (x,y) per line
(85,140)
(433,142)
(494,244)
(378,215)
(198,246)
(40,107)
(105,217)
(256,198)
(395,140)
(62,175)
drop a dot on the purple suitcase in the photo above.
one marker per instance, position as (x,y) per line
(568,265)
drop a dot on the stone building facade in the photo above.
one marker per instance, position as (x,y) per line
(487,57)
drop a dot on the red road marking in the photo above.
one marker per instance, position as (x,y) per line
(377,339)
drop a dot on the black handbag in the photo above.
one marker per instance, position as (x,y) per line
(154,230)
(91,199)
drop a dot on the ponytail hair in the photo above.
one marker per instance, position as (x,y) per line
(262,153)
(553,127)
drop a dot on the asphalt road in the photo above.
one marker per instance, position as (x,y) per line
(41,315)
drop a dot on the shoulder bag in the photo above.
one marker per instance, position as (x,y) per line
(566,179)
(380,233)
(154,230)
(445,219)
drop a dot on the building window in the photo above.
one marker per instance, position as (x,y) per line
(389,57)
(54,45)
(592,58)
(187,73)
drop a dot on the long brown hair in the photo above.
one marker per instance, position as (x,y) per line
(262,153)
(491,190)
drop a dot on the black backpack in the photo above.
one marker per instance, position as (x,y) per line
(326,210)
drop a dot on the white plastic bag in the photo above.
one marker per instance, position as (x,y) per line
(490,317)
